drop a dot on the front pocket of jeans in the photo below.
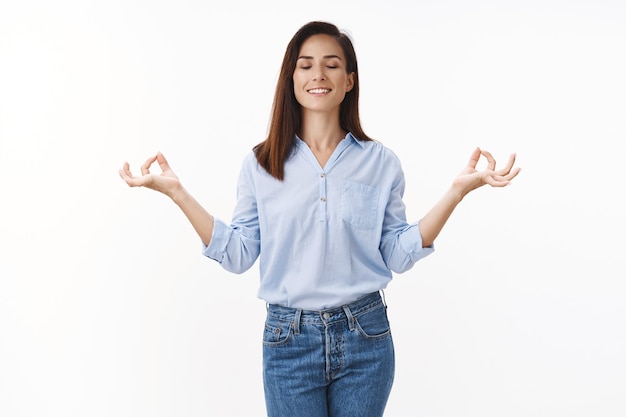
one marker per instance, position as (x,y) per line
(373,324)
(359,204)
(277,332)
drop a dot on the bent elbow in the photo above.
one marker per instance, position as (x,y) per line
(237,267)
(401,267)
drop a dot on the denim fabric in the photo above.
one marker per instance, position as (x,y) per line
(337,362)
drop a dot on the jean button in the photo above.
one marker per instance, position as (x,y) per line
(326,316)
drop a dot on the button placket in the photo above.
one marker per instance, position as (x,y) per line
(322,193)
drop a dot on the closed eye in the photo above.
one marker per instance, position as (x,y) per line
(306,67)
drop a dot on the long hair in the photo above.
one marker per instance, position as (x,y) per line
(286,121)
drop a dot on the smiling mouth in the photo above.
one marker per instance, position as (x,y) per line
(319,90)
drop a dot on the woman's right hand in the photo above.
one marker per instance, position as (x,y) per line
(167,182)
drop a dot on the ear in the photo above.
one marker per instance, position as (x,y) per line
(350,82)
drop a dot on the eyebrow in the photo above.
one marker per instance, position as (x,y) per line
(325,57)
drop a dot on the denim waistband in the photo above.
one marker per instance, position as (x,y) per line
(329,315)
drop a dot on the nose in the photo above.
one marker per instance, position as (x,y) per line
(320,75)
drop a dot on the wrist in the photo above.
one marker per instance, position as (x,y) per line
(456,194)
(178,194)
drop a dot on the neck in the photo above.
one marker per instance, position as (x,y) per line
(321,130)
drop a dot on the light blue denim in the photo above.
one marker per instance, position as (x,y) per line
(337,362)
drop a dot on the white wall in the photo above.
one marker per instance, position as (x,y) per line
(107,307)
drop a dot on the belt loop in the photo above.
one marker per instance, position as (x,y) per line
(296,321)
(351,320)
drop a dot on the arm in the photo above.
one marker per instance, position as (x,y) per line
(468,180)
(169,184)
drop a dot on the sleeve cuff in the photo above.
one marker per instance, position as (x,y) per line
(411,241)
(216,247)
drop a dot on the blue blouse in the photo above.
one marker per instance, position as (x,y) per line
(325,236)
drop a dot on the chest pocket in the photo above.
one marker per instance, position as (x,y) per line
(359,204)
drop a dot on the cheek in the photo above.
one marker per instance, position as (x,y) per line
(297,91)
(298,80)
(298,85)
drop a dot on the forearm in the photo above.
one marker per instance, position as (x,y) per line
(199,218)
(432,223)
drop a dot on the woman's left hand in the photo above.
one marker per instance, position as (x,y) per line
(470,179)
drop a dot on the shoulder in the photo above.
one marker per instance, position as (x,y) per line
(250,159)
(378,150)
(251,167)
(249,162)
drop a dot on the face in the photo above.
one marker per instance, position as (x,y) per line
(320,80)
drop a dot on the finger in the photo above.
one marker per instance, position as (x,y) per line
(163,164)
(512,174)
(496,181)
(127,176)
(473,161)
(501,180)
(145,168)
(491,162)
(508,167)
(135,182)
(125,171)
(129,179)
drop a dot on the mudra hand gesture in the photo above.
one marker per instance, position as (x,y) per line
(167,182)
(469,178)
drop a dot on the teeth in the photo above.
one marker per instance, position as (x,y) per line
(319,90)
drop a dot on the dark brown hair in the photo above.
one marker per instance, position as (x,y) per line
(285,123)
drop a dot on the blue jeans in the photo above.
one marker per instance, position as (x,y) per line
(331,363)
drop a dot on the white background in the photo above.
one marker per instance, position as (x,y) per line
(107,307)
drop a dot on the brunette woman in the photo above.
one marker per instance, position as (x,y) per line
(321,204)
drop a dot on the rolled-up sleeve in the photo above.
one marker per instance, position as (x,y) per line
(401,242)
(237,246)
(403,249)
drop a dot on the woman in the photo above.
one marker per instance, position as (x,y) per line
(321,204)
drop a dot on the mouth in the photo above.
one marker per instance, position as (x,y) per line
(318,91)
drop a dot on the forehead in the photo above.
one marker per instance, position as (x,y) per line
(321,45)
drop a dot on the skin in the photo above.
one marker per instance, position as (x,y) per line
(321,64)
